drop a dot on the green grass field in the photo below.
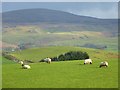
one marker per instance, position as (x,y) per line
(36,54)
(62,74)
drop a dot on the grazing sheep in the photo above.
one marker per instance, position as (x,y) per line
(21,62)
(88,61)
(24,66)
(48,60)
(105,64)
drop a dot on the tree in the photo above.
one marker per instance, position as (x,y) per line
(73,55)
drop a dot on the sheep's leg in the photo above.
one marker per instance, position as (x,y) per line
(49,62)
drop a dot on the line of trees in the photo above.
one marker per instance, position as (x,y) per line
(72,55)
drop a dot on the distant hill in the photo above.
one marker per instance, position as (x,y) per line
(44,27)
(51,16)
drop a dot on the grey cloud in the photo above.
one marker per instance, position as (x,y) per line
(97,12)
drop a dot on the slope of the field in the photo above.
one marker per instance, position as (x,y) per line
(66,74)
(61,34)
(36,54)
(62,74)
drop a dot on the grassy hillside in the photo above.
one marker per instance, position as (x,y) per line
(6,61)
(64,74)
(45,27)
(50,37)
(58,35)
(61,75)
(37,54)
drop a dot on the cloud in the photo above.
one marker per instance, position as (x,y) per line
(60,0)
(97,12)
(94,9)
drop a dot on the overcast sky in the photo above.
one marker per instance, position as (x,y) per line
(93,9)
(59,0)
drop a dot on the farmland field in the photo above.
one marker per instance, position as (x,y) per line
(61,74)
(67,35)
(33,34)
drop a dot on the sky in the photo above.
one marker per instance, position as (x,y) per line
(103,10)
(60,0)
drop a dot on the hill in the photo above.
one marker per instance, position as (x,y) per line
(44,27)
(67,74)
(36,54)
(47,15)
(54,16)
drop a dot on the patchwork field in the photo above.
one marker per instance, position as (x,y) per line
(58,35)
(61,74)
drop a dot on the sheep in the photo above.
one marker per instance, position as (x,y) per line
(105,63)
(24,66)
(21,62)
(87,61)
(48,60)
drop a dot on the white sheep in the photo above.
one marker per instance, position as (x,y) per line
(105,64)
(48,60)
(21,62)
(87,61)
(24,66)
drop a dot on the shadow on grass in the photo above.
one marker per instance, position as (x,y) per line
(81,64)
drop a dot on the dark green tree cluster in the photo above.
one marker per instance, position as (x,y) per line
(72,55)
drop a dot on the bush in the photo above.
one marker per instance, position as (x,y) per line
(72,55)
(54,59)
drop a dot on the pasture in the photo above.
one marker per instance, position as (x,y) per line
(61,74)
